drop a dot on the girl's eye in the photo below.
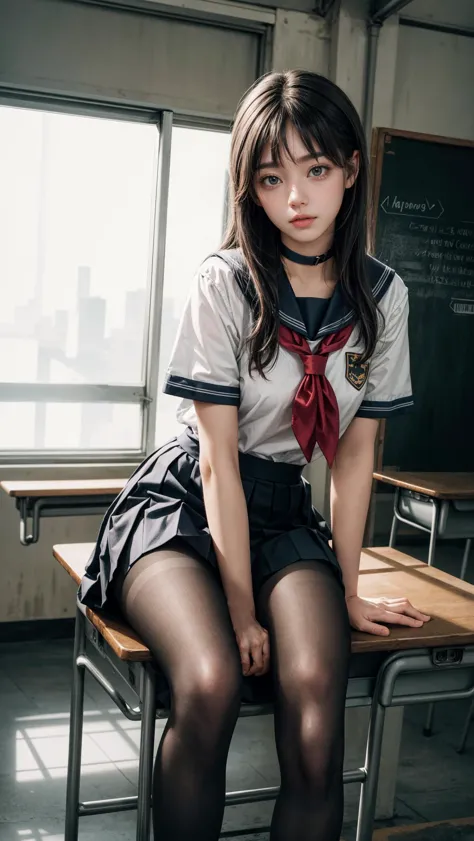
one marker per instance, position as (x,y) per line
(270,180)
(319,171)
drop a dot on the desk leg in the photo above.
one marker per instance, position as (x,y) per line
(75,734)
(29,508)
(465,558)
(434,531)
(462,745)
(368,791)
(389,762)
(147,738)
(428,728)
(393,530)
(465,733)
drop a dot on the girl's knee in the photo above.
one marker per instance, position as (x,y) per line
(211,687)
(308,681)
(315,759)
(311,727)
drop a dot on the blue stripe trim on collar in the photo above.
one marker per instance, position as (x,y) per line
(338,314)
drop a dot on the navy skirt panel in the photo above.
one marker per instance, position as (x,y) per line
(163,500)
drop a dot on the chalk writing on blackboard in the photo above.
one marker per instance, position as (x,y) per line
(429,209)
(431,253)
(461,306)
(422,191)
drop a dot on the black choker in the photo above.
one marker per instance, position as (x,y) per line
(306,261)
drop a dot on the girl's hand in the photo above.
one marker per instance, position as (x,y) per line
(365,614)
(254,645)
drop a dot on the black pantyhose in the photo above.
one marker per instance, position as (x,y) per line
(304,609)
(178,608)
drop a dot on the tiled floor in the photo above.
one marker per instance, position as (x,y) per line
(434,781)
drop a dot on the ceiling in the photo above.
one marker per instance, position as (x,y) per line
(451,12)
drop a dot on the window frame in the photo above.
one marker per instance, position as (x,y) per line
(145,394)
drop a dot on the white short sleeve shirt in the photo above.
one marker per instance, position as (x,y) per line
(209,361)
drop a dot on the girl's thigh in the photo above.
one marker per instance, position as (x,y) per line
(304,609)
(177,606)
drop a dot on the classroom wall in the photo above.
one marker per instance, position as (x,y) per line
(86,50)
(424,83)
(33,585)
(434,83)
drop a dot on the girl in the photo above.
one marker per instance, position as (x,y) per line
(292,345)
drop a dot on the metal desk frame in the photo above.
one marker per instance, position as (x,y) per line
(433,531)
(32,508)
(405,677)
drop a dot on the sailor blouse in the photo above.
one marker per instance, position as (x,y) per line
(209,361)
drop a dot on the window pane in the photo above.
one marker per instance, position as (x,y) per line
(199,162)
(70,426)
(76,213)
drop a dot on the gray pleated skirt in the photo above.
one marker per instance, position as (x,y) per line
(163,500)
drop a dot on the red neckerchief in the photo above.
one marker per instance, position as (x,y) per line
(315,415)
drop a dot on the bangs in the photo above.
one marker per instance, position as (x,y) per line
(317,135)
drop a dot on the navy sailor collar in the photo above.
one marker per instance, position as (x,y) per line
(338,313)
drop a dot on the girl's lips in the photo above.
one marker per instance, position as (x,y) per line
(303,223)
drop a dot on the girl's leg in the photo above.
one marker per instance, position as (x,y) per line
(178,608)
(304,609)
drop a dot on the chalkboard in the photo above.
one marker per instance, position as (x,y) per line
(423,200)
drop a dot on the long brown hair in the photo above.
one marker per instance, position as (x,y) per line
(324,117)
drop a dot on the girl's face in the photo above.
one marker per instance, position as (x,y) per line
(303,196)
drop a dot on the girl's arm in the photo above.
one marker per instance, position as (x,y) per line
(351,481)
(227,516)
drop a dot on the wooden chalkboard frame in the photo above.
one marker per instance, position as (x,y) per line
(379,136)
(376,166)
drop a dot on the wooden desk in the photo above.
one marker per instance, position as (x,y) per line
(437,489)
(437,485)
(59,498)
(383,572)
(435,662)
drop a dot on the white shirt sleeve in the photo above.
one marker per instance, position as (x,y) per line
(389,383)
(204,362)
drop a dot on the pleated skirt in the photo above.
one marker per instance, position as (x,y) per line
(163,500)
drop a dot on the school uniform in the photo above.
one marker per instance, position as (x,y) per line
(296,414)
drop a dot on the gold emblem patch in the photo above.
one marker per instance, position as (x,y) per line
(356,371)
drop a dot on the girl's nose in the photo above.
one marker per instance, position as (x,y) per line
(296,197)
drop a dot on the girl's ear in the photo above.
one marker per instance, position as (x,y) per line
(352,169)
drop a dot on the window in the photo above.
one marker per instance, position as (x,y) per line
(78,243)
(194,230)
(76,215)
